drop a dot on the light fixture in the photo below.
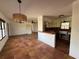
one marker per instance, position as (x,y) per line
(19,17)
(61,16)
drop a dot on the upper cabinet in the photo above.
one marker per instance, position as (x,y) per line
(51,21)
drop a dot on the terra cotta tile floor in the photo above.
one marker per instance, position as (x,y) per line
(28,47)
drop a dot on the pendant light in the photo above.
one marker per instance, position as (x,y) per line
(19,17)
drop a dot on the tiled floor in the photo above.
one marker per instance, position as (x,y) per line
(27,47)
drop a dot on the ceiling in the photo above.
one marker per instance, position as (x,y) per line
(34,8)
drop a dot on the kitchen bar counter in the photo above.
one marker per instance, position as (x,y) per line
(47,38)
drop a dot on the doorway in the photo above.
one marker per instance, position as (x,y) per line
(63,42)
(63,37)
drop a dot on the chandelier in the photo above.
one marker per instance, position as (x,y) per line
(19,17)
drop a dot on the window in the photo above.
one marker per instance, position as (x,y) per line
(2,29)
(65,25)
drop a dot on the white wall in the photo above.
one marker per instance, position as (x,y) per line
(19,28)
(47,38)
(35,27)
(35,24)
(3,41)
(74,45)
(40,23)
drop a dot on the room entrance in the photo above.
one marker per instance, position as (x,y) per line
(61,26)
